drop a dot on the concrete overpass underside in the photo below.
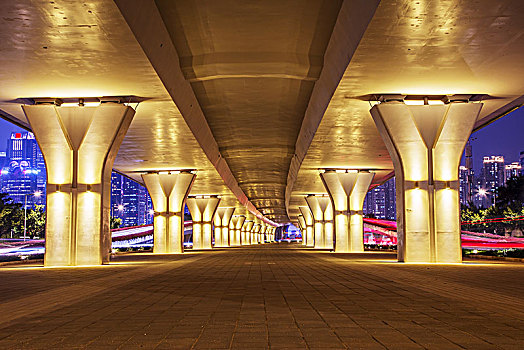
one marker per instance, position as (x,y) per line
(257,97)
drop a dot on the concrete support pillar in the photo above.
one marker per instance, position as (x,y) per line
(272,234)
(222,221)
(246,232)
(79,144)
(202,210)
(322,210)
(302,226)
(235,229)
(309,222)
(425,143)
(256,232)
(347,190)
(262,233)
(251,233)
(168,191)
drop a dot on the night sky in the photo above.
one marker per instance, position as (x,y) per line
(504,137)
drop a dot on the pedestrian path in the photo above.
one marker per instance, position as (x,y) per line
(276,296)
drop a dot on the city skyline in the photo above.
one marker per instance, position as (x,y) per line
(503,137)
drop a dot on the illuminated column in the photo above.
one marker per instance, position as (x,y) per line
(246,232)
(272,234)
(222,220)
(301,224)
(262,233)
(234,229)
(79,144)
(252,235)
(256,231)
(168,191)
(347,190)
(202,210)
(322,210)
(425,143)
(309,230)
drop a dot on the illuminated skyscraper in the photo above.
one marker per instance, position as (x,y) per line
(464,185)
(491,177)
(130,201)
(23,172)
(381,201)
(521,161)
(512,170)
(492,173)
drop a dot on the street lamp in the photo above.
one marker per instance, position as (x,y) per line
(36,194)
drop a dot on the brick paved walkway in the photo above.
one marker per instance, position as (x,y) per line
(272,296)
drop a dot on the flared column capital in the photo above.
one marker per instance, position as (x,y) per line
(203,207)
(320,207)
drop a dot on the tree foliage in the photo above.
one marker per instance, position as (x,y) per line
(36,219)
(11,216)
(511,195)
(509,204)
(12,219)
(115,222)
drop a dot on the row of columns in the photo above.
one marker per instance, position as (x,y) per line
(425,142)
(80,143)
(335,220)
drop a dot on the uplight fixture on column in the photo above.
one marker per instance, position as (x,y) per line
(79,143)
(425,141)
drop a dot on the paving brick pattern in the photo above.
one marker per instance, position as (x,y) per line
(266,297)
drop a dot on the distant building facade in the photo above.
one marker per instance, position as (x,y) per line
(23,169)
(521,161)
(381,201)
(464,184)
(512,170)
(130,201)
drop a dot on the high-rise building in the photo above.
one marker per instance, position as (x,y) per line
(521,161)
(145,207)
(467,193)
(381,201)
(117,204)
(23,172)
(130,201)
(512,170)
(492,176)
(463,181)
